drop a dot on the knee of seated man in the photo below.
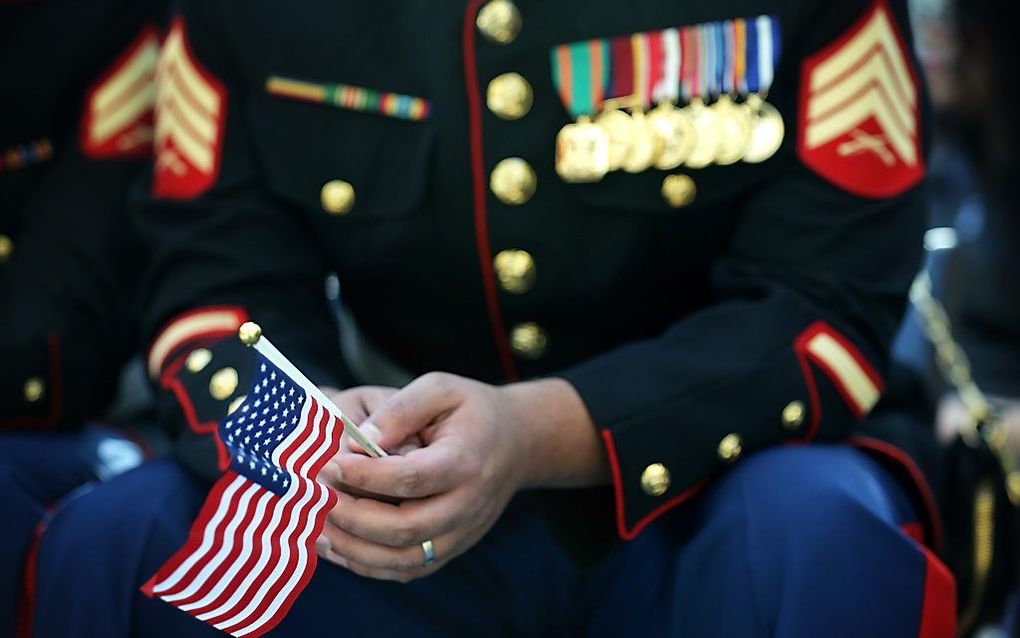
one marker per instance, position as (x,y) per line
(124,510)
(818,495)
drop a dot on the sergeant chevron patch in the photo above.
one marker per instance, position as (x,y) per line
(190,114)
(118,112)
(859,113)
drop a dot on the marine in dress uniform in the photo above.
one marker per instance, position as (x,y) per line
(76,130)
(703,217)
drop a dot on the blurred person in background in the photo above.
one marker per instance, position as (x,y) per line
(967,49)
(76,129)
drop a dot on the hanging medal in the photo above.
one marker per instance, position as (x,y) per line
(702,118)
(671,124)
(767,128)
(613,119)
(580,74)
(734,119)
(645,144)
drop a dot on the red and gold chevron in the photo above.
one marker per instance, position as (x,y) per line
(118,114)
(859,123)
(190,115)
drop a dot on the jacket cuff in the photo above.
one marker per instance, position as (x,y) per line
(665,455)
(208,324)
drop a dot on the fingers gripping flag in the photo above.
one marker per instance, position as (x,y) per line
(251,550)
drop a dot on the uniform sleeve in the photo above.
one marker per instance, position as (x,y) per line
(70,274)
(223,250)
(809,296)
(68,270)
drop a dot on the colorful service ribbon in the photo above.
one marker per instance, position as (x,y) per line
(24,155)
(762,54)
(581,74)
(346,96)
(707,60)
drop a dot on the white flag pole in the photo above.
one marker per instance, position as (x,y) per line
(251,335)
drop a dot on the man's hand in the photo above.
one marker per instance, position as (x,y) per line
(481,444)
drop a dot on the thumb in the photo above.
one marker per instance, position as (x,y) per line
(412,409)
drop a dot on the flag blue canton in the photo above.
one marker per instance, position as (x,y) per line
(252,433)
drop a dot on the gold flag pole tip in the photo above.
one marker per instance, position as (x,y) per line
(249,333)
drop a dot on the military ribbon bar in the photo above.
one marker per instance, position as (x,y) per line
(733,57)
(24,155)
(346,96)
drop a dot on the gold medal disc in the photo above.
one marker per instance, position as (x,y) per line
(645,145)
(620,129)
(734,129)
(707,136)
(582,152)
(676,135)
(767,130)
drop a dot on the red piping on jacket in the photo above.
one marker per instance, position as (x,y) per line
(170,381)
(26,606)
(621,518)
(900,458)
(480,197)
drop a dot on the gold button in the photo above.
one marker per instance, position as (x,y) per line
(655,480)
(499,21)
(6,248)
(513,181)
(1013,487)
(528,340)
(793,415)
(515,270)
(678,190)
(223,383)
(198,360)
(337,197)
(730,448)
(35,390)
(236,403)
(509,96)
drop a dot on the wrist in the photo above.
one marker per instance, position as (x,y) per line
(560,446)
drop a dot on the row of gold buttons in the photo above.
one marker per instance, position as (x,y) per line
(656,479)
(35,388)
(222,384)
(513,181)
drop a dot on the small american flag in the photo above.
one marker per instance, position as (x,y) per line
(251,550)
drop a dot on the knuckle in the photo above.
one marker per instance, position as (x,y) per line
(470,463)
(353,476)
(407,534)
(410,482)
(441,383)
(407,563)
